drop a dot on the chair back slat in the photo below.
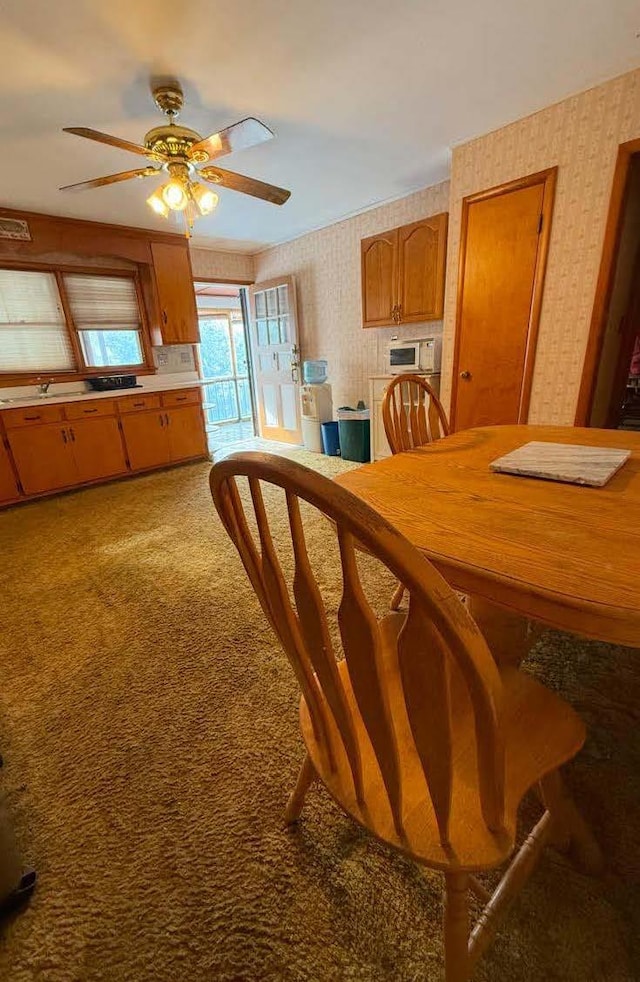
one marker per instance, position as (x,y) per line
(361,640)
(412,414)
(277,595)
(438,644)
(425,682)
(315,632)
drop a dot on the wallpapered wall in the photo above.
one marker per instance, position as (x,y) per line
(209,263)
(326,266)
(581,136)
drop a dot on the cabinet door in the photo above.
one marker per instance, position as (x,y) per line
(422,250)
(8,484)
(43,457)
(146,439)
(186,433)
(97,448)
(174,282)
(379,261)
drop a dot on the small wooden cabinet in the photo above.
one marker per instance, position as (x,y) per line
(97,448)
(146,440)
(176,296)
(403,273)
(185,433)
(9,490)
(43,457)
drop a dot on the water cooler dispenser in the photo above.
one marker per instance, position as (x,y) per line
(317,403)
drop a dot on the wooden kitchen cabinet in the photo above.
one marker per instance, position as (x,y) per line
(97,448)
(403,272)
(43,457)
(176,297)
(9,490)
(185,432)
(145,437)
(379,262)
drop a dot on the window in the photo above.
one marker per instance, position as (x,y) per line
(69,323)
(33,331)
(106,316)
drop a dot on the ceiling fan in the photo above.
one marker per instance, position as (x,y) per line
(176,150)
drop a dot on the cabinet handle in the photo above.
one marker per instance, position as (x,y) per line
(33,417)
(166,416)
(164,317)
(465,375)
(87,411)
(181,398)
(72,434)
(138,405)
(64,435)
(161,420)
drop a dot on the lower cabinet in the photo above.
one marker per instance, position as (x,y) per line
(51,452)
(8,485)
(43,457)
(146,439)
(186,434)
(97,448)
(156,438)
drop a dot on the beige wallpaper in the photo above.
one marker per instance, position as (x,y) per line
(581,136)
(326,265)
(209,263)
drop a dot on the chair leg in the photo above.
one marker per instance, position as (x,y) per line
(306,777)
(456,927)
(396,600)
(567,818)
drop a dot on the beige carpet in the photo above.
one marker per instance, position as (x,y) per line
(149,726)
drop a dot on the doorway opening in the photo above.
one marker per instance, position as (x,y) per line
(224,364)
(616,392)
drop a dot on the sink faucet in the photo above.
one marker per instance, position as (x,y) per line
(43,387)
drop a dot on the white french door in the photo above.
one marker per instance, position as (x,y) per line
(276,359)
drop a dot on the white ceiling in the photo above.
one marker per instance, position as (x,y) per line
(365,96)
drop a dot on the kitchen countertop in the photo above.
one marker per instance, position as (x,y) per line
(147,388)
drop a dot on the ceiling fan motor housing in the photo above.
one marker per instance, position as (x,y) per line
(174,141)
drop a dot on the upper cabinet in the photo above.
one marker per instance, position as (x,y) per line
(403,273)
(176,297)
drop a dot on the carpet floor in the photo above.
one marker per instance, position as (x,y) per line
(148,722)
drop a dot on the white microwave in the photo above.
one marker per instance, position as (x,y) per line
(421,355)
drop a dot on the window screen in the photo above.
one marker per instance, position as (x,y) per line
(33,332)
(106,316)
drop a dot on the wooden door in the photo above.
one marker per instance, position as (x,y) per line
(502,258)
(174,282)
(146,439)
(43,457)
(422,251)
(186,433)
(379,264)
(97,448)
(276,359)
(8,484)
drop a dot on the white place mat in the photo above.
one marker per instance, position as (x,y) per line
(563,462)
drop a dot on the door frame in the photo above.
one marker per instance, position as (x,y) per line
(604,283)
(548,179)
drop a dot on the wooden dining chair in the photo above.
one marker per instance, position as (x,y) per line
(413,416)
(406,721)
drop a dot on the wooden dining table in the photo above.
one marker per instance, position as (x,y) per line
(527,552)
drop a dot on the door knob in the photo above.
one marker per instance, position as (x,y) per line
(465,374)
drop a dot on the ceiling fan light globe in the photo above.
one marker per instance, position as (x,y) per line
(157,204)
(205,198)
(174,195)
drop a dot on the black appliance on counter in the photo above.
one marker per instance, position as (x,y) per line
(110,383)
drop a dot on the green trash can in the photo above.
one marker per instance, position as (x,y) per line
(354,427)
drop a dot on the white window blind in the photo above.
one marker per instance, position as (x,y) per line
(106,315)
(33,333)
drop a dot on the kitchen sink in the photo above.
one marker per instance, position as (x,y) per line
(41,396)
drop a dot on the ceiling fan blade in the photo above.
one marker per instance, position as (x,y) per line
(247,185)
(112,141)
(247,133)
(99,182)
